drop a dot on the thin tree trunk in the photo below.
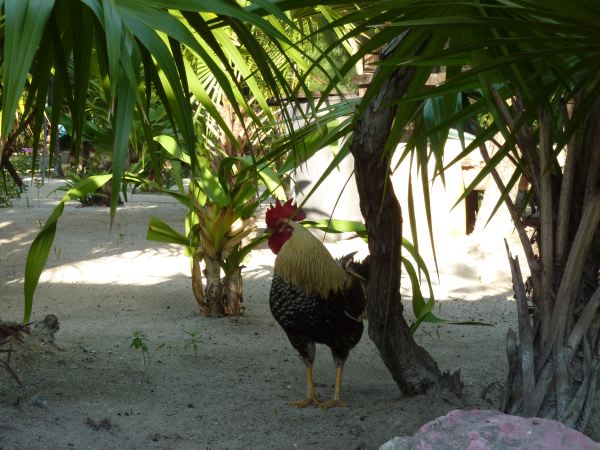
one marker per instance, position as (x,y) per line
(7,148)
(214,288)
(197,288)
(6,164)
(233,295)
(413,369)
(58,170)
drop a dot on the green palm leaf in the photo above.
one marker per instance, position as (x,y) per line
(40,248)
(22,34)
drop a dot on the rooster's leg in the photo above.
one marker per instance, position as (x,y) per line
(336,402)
(311,396)
(307,353)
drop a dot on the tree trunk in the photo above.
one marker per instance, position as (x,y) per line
(5,163)
(413,369)
(214,288)
(233,295)
(222,296)
(197,288)
(555,365)
(58,170)
(8,147)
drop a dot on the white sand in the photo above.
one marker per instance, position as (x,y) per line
(234,394)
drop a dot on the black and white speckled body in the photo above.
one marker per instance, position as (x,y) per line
(333,321)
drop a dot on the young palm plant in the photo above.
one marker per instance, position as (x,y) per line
(221,206)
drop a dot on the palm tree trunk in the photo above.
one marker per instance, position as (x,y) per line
(222,296)
(197,288)
(233,294)
(411,366)
(5,164)
(214,288)
(554,366)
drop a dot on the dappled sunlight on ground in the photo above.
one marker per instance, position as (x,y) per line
(137,268)
(23,238)
(103,285)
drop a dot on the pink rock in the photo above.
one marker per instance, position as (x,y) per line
(479,429)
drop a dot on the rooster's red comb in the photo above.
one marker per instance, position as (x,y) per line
(283,211)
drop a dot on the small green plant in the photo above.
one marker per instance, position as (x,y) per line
(9,190)
(192,341)
(139,343)
(85,199)
(22,162)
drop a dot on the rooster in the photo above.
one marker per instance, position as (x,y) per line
(314,298)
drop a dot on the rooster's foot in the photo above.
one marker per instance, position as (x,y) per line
(310,401)
(334,404)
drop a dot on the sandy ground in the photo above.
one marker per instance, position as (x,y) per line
(91,390)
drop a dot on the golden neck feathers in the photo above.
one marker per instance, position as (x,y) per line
(304,262)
